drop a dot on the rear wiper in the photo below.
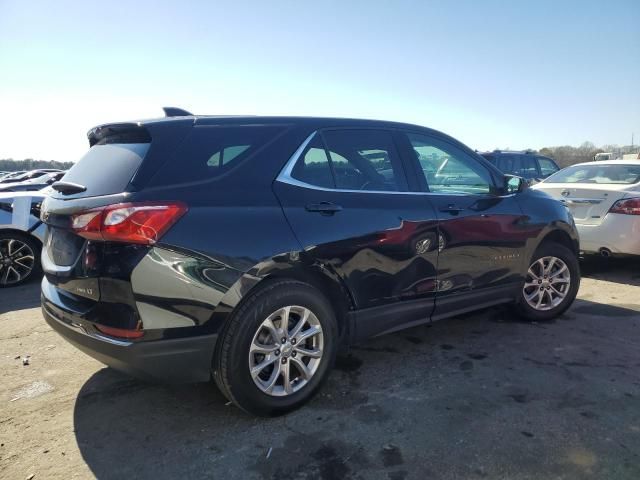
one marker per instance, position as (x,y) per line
(68,188)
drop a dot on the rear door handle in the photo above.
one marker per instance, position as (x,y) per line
(324,208)
(452,209)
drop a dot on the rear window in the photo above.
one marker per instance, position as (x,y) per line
(601,174)
(210,151)
(106,169)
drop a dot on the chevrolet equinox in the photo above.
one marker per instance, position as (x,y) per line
(249,249)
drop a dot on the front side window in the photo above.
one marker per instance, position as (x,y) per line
(448,169)
(547,167)
(598,174)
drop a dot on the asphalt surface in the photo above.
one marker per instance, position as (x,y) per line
(482,396)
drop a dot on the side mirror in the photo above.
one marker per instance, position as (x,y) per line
(514,184)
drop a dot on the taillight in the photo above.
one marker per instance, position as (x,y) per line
(627,206)
(142,223)
(120,332)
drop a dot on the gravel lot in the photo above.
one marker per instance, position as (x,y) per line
(484,396)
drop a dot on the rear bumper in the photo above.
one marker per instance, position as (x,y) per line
(618,233)
(173,360)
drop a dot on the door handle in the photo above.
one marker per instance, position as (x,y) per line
(452,209)
(324,208)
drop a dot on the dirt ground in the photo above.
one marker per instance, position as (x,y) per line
(481,396)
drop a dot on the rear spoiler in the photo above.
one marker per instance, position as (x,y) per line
(176,112)
(118,133)
(129,132)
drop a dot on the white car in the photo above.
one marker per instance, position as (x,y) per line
(604,198)
(21,236)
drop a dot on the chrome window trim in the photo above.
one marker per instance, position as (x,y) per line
(285,177)
(285,173)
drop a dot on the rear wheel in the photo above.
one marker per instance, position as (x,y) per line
(277,349)
(19,258)
(551,283)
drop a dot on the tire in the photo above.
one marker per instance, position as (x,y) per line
(19,258)
(233,359)
(549,309)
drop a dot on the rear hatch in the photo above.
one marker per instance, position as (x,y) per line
(121,159)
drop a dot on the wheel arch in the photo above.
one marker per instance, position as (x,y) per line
(328,284)
(563,238)
(322,279)
(22,233)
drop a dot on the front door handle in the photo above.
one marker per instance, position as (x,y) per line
(452,209)
(324,208)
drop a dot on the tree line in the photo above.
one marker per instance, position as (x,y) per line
(567,155)
(9,165)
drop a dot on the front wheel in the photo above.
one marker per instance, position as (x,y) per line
(551,283)
(277,348)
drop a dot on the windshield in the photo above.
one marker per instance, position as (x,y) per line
(600,174)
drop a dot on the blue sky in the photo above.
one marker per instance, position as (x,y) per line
(491,73)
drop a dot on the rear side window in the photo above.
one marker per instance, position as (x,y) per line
(528,167)
(106,169)
(210,151)
(506,164)
(547,167)
(313,167)
(364,160)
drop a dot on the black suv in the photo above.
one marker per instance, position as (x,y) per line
(528,164)
(248,249)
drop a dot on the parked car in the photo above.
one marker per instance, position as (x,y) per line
(604,156)
(21,236)
(248,249)
(9,175)
(24,176)
(32,184)
(604,199)
(527,164)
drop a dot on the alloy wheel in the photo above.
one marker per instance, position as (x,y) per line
(286,351)
(16,261)
(547,283)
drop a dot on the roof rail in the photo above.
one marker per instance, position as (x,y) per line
(176,112)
